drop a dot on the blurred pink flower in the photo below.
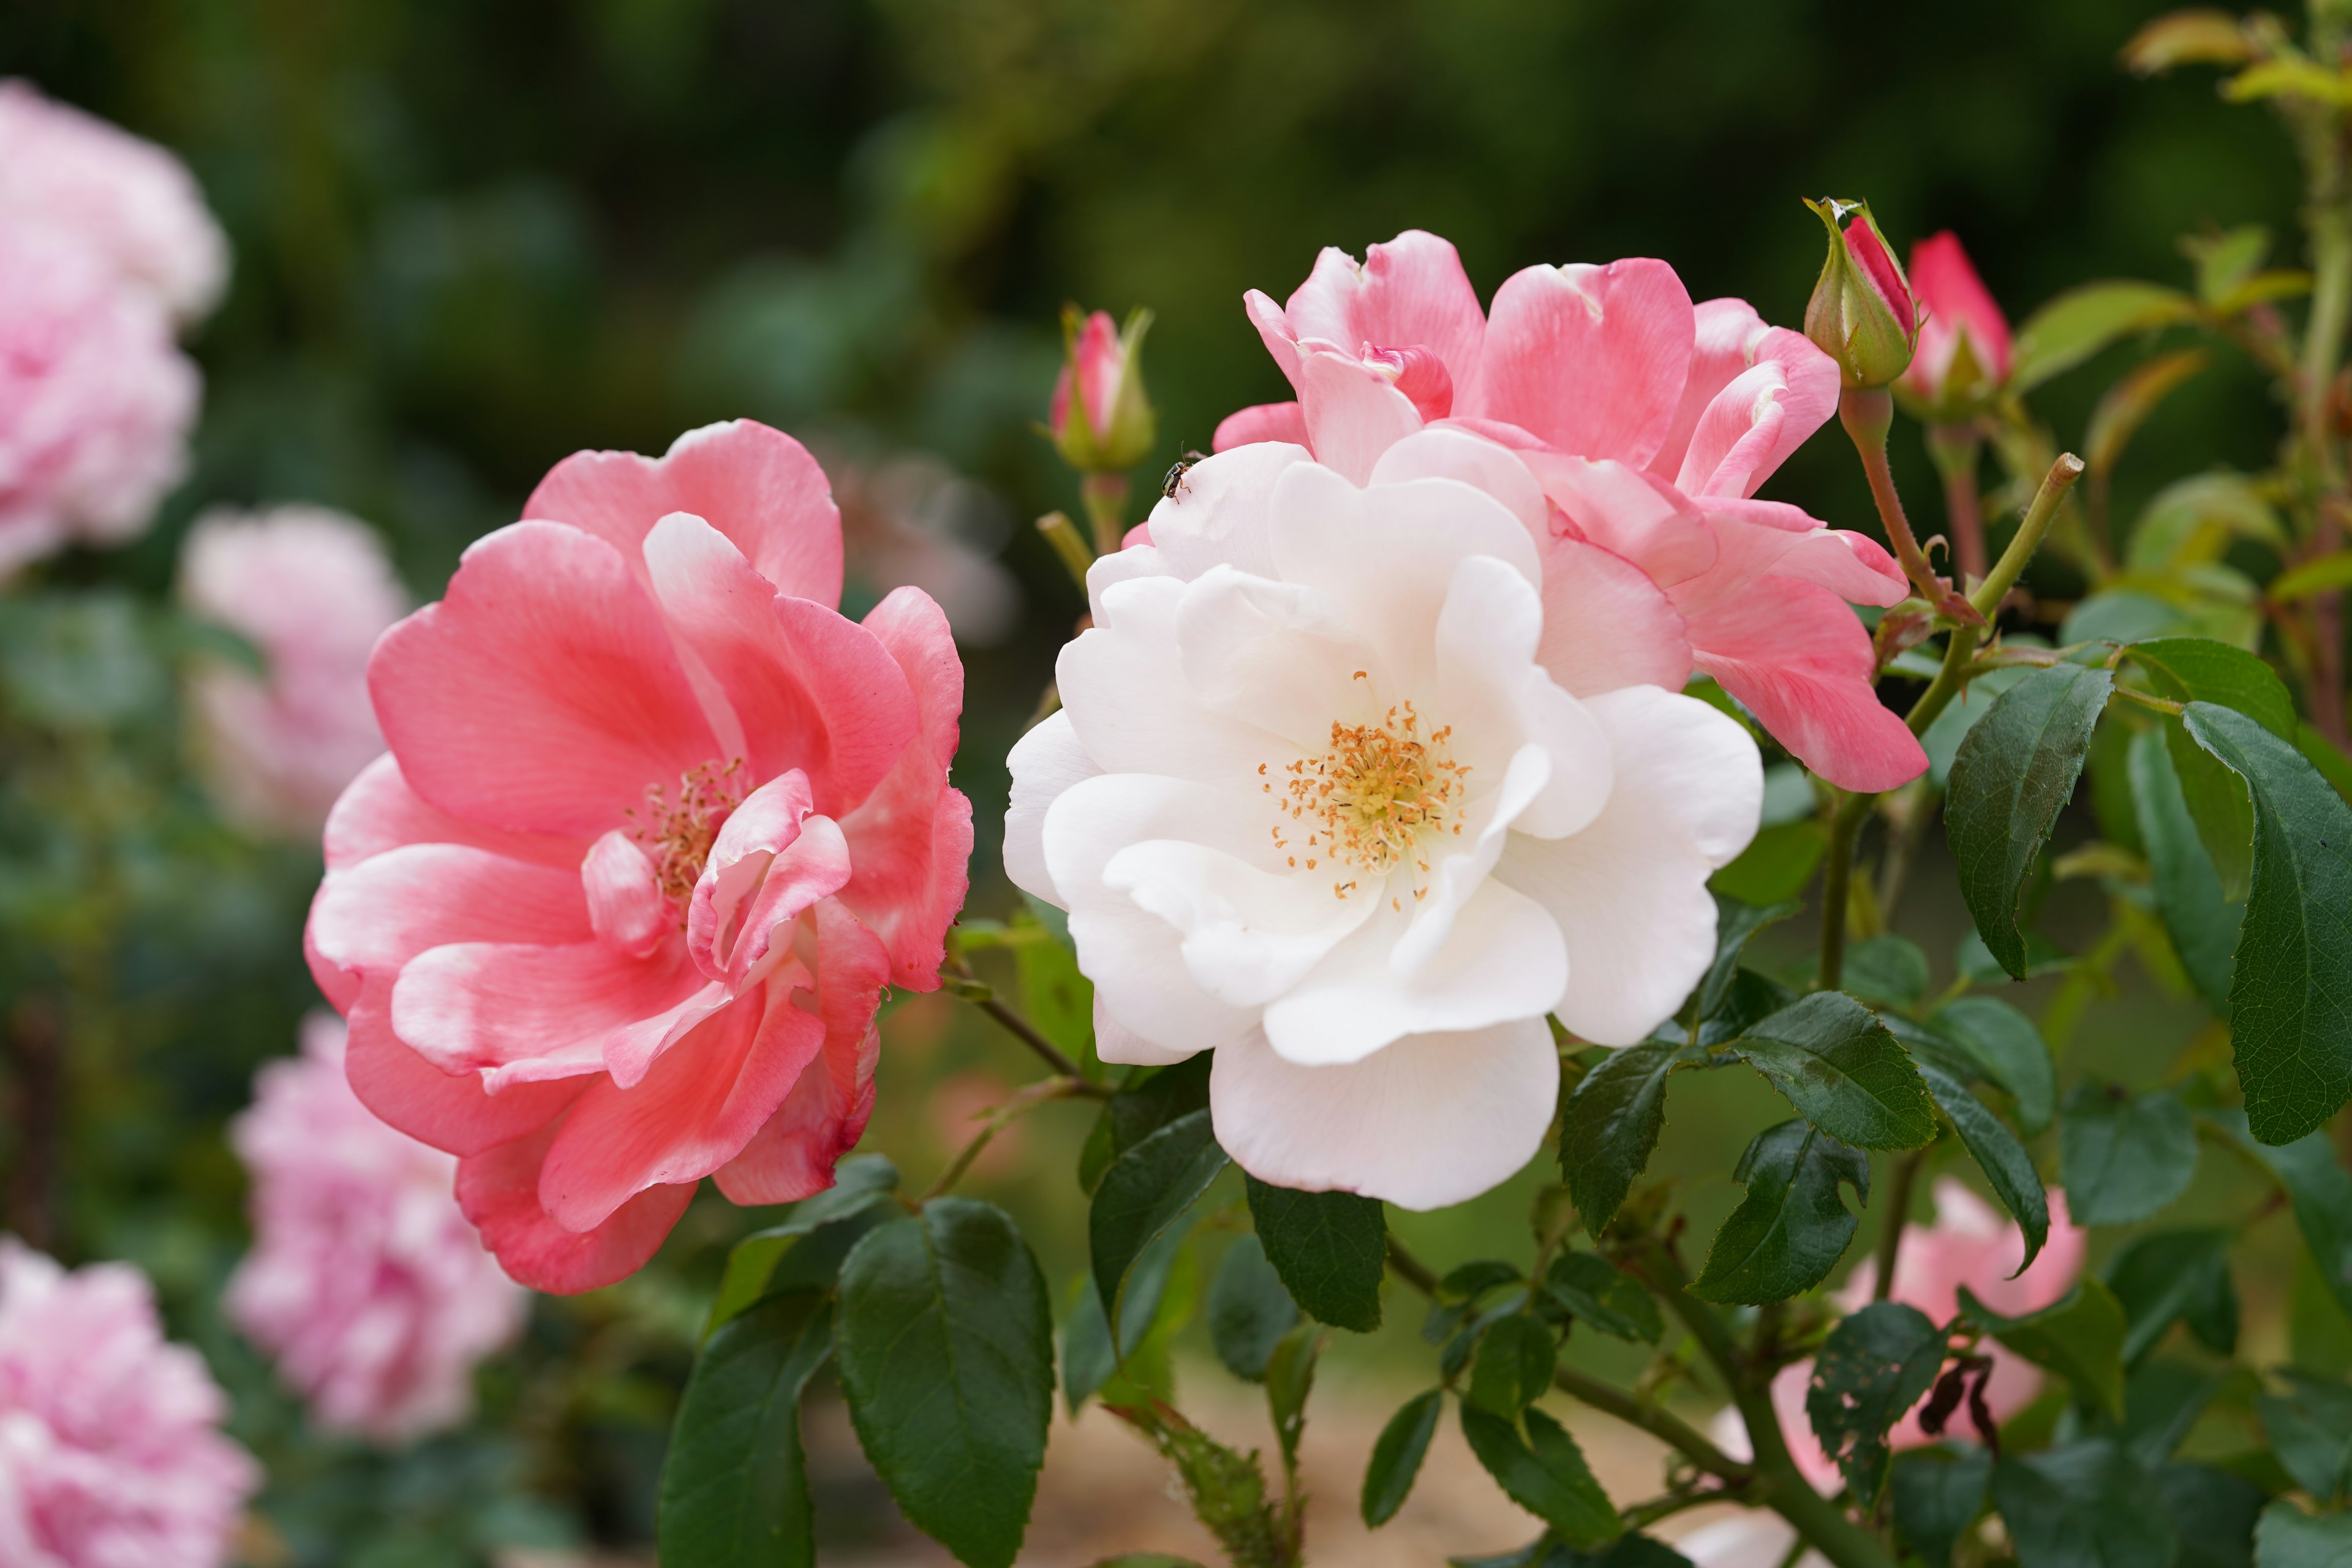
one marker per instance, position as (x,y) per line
(910,521)
(110,1455)
(1755,1539)
(1970,1244)
(1099,419)
(1960,310)
(95,400)
(365,1281)
(129,201)
(1650,423)
(312,590)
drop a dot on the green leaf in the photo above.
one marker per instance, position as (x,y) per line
(1792,1226)
(1832,1059)
(1289,1379)
(2080,1337)
(1980,967)
(2078,323)
(1546,1475)
(2291,989)
(2124,1157)
(734,1485)
(2200,670)
(860,1183)
(1397,1454)
(2310,1428)
(2169,1275)
(1514,1366)
(1612,1125)
(1776,865)
(1596,1292)
(2321,1193)
(1330,1249)
(1150,1101)
(1939,1492)
(1249,1310)
(1998,1154)
(2289,1538)
(1735,922)
(2321,753)
(1890,970)
(1089,1360)
(2162,1400)
(947,1359)
(2006,1050)
(2213,1513)
(2012,776)
(1547,1551)
(2083,1505)
(2202,924)
(2318,576)
(2219,806)
(1144,1193)
(1874,1365)
(1056,997)
(2126,404)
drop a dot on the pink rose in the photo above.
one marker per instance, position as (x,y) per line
(1101,420)
(312,590)
(656,827)
(1649,424)
(1964,348)
(1970,1245)
(110,1452)
(366,1283)
(130,203)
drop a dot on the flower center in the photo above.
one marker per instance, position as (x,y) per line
(677,835)
(1369,801)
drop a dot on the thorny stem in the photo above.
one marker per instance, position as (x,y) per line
(1898,1214)
(1867,413)
(964,983)
(1956,448)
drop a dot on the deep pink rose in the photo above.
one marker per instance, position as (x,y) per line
(1960,309)
(366,1283)
(311,590)
(657,825)
(111,1450)
(1649,423)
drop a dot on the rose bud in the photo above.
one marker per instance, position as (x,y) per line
(1101,422)
(1964,350)
(1862,314)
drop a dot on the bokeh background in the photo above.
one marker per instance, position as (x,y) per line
(473,238)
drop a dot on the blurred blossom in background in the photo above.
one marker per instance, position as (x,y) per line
(910,519)
(368,1287)
(110,1455)
(311,590)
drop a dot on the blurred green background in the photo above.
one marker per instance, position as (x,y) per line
(472,237)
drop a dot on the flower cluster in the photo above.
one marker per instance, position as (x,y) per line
(365,1282)
(110,1452)
(105,249)
(657,825)
(311,590)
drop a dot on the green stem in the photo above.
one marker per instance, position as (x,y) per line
(1106,499)
(1024,1100)
(1898,1215)
(1063,535)
(1837,877)
(1867,413)
(1956,448)
(960,980)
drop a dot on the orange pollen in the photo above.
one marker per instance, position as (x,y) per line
(677,835)
(1378,792)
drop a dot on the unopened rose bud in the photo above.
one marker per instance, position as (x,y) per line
(1965,349)
(1101,422)
(1862,314)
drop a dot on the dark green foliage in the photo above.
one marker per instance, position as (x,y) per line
(2176,1277)
(1151,1100)
(1249,1310)
(1792,1226)
(1146,1189)
(2288,1537)
(2214,1514)
(1396,1457)
(1939,1492)
(2310,1427)
(1832,1059)
(946,1347)
(2012,775)
(1330,1249)
(2203,925)
(1735,923)
(1514,1366)
(2080,1337)
(1595,1292)
(1889,971)
(860,1183)
(1544,1473)
(734,1490)
(2084,1505)
(2006,1049)
(1874,1365)
(2123,1157)
(1612,1124)
(1998,1154)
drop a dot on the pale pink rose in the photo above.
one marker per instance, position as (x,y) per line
(366,1283)
(1649,424)
(1970,1244)
(127,201)
(657,825)
(110,1452)
(910,521)
(95,400)
(311,590)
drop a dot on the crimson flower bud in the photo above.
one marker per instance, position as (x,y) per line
(1965,349)
(1101,422)
(1862,314)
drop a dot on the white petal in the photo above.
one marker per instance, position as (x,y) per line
(1249,934)
(1120,566)
(1136,959)
(1446,454)
(1044,762)
(1460,865)
(1122,1046)
(1123,686)
(1275,654)
(1629,892)
(1503,960)
(1433,1120)
(1218,513)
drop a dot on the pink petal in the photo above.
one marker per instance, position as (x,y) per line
(1957,302)
(1725,337)
(1762,416)
(378,812)
(1408,293)
(756,486)
(812,691)
(1261,422)
(543,693)
(625,906)
(533,1011)
(1629,513)
(793,1154)
(760,828)
(1353,413)
(1606,625)
(1800,661)
(911,853)
(696,1109)
(451,1111)
(499,1190)
(1589,359)
(1754,537)
(1274,330)
(386,909)
(1098,365)
(631,1050)
(914,630)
